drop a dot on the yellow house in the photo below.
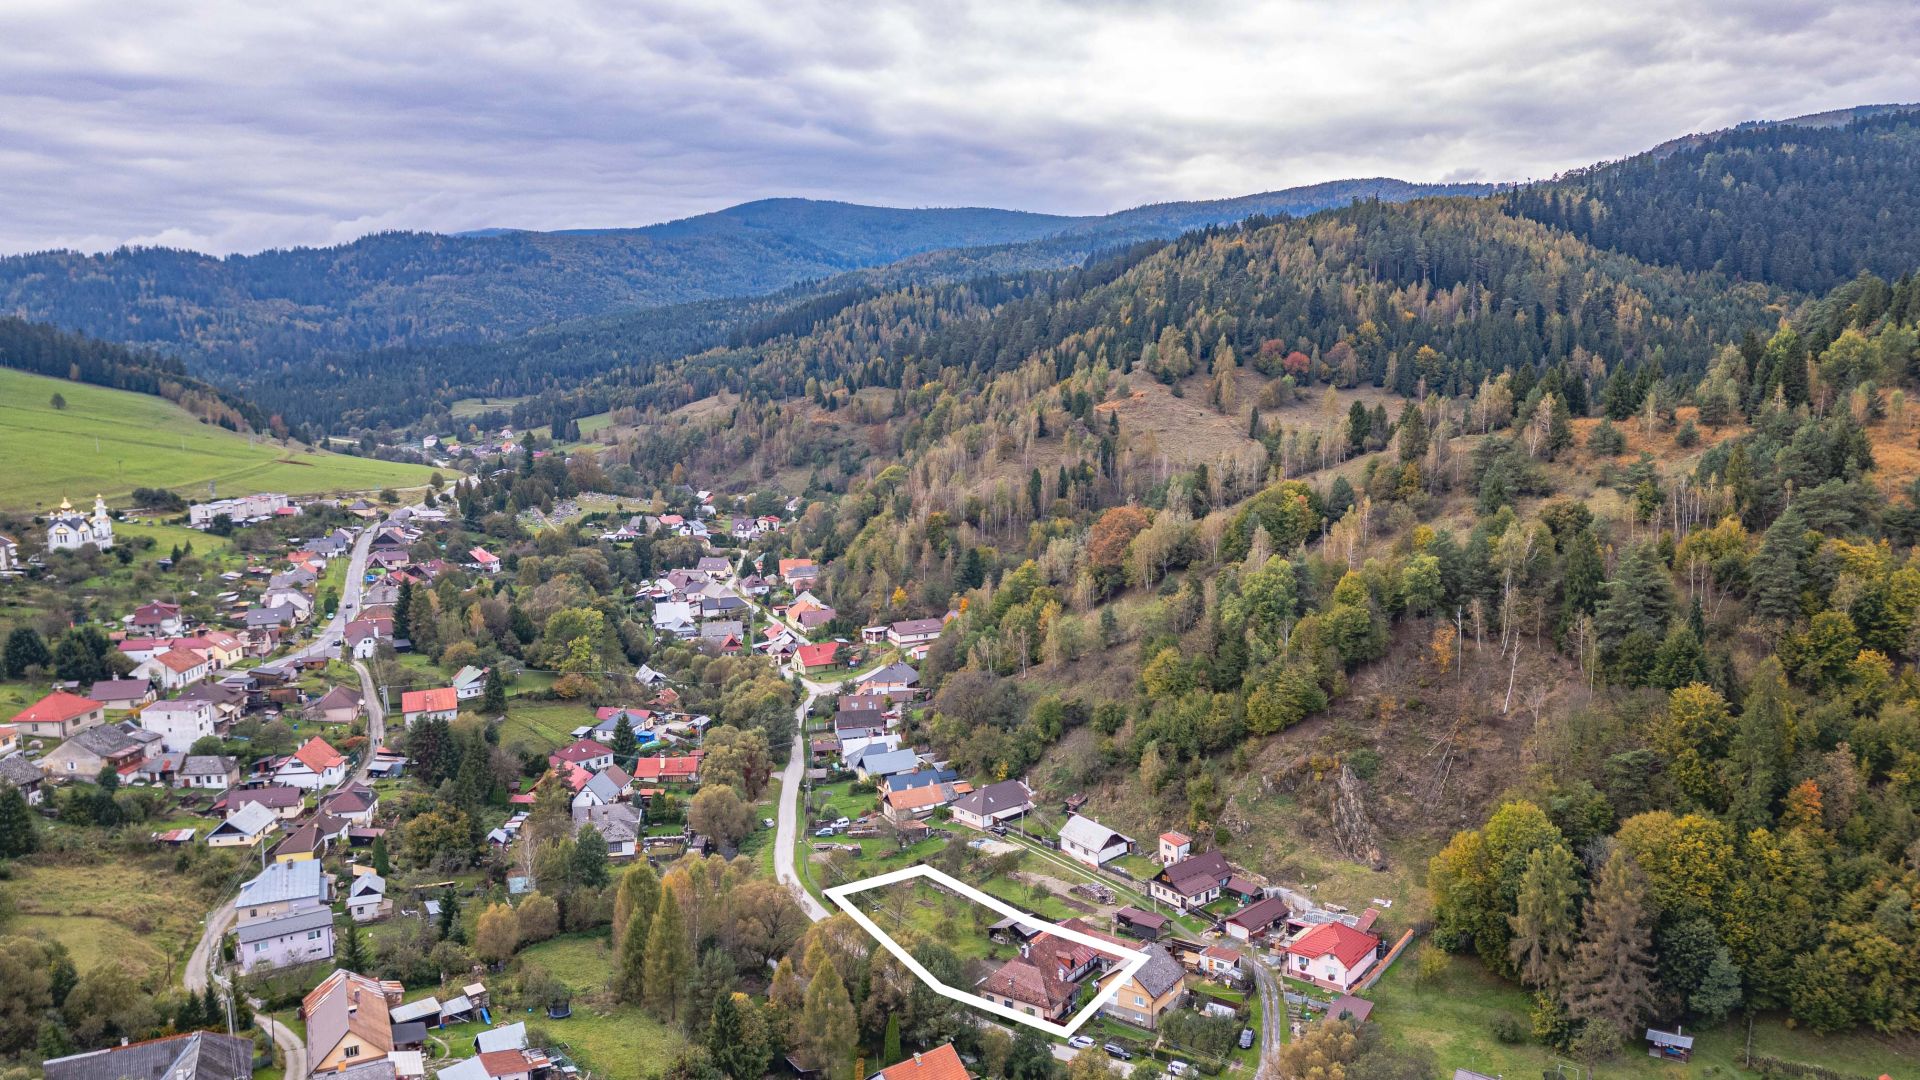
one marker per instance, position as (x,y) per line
(348,1021)
(1144,998)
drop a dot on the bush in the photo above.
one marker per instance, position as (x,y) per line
(1687,436)
(1509,1029)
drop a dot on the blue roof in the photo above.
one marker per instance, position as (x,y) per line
(923,778)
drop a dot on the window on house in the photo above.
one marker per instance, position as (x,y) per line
(1138,1000)
(351,1051)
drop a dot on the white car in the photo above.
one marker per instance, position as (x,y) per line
(841,823)
(1177,1068)
(1080,1042)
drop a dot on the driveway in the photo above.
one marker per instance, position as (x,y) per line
(787,835)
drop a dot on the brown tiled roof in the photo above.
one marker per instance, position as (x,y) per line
(1023,981)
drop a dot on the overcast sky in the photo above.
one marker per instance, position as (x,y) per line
(230,126)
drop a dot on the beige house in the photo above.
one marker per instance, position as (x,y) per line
(59,715)
(347,1021)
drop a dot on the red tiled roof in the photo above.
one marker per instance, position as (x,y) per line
(318,756)
(1343,942)
(505,1062)
(666,768)
(816,655)
(581,750)
(939,1063)
(1176,839)
(56,707)
(180,661)
(1023,981)
(438,699)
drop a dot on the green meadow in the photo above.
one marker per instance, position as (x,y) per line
(112,441)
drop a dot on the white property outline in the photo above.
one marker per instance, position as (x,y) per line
(840,895)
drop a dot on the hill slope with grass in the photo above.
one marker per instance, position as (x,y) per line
(112,441)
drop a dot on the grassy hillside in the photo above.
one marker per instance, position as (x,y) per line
(112,441)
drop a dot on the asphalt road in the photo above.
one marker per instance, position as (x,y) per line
(327,641)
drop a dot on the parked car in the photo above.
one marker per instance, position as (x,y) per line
(827,831)
(1177,1068)
(766,823)
(1118,1052)
(1246,1038)
(1080,1042)
(841,823)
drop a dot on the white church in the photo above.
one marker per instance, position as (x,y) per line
(69,530)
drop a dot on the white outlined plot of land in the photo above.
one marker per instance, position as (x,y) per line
(1133,959)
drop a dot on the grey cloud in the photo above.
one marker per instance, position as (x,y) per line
(232,126)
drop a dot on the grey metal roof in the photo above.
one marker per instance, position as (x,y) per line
(511,1037)
(994,798)
(893,761)
(297,923)
(414,1010)
(207,765)
(299,880)
(201,1055)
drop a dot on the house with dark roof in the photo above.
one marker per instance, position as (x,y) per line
(83,756)
(299,938)
(1158,986)
(208,772)
(122,695)
(991,805)
(894,678)
(23,774)
(197,1055)
(1145,925)
(339,705)
(1258,919)
(1192,882)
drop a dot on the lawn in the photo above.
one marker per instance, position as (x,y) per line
(168,537)
(543,725)
(132,913)
(908,909)
(1455,1017)
(615,1041)
(112,441)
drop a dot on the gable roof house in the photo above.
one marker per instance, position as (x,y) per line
(363,638)
(282,801)
(16,770)
(157,617)
(314,765)
(244,827)
(83,756)
(619,824)
(895,678)
(175,668)
(675,617)
(440,703)
(122,694)
(821,657)
(197,1055)
(1086,840)
(585,753)
(354,801)
(348,1021)
(659,768)
(469,682)
(993,804)
(910,632)
(59,715)
(1191,883)
(1021,984)
(209,772)
(339,705)
(367,898)
(1258,919)
(282,889)
(1333,955)
(1157,987)
(940,1063)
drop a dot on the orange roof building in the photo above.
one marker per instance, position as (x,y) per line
(940,1063)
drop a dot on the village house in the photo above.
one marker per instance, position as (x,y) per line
(1258,919)
(348,1021)
(684,769)
(339,705)
(367,898)
(940,1063)
(1217,962)
(59,715)
(354,802)
(619,824)
(469,682)
(83,756)
(1145,925)
(484,561)
(208,772)
(9,739)
(362,638)
(810,659)
(993,805)
(893,679)
(675,617)
(283,802)
(876,764)
(244,827)
(585,753)
(1173,848)
(1191,883)
(175,668)
(314,765)
(1086,840)
(441,703)
(157,619)
(196,1055)
(121,695)
(912,803)
(793,570)
(16,770)
(306,843)
(282,889)
(909,633)
(1021,984)
(179,723)
(1157,987)
(1333,955)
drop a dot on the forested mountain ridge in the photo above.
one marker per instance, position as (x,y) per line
(233,314)
(1797,206)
